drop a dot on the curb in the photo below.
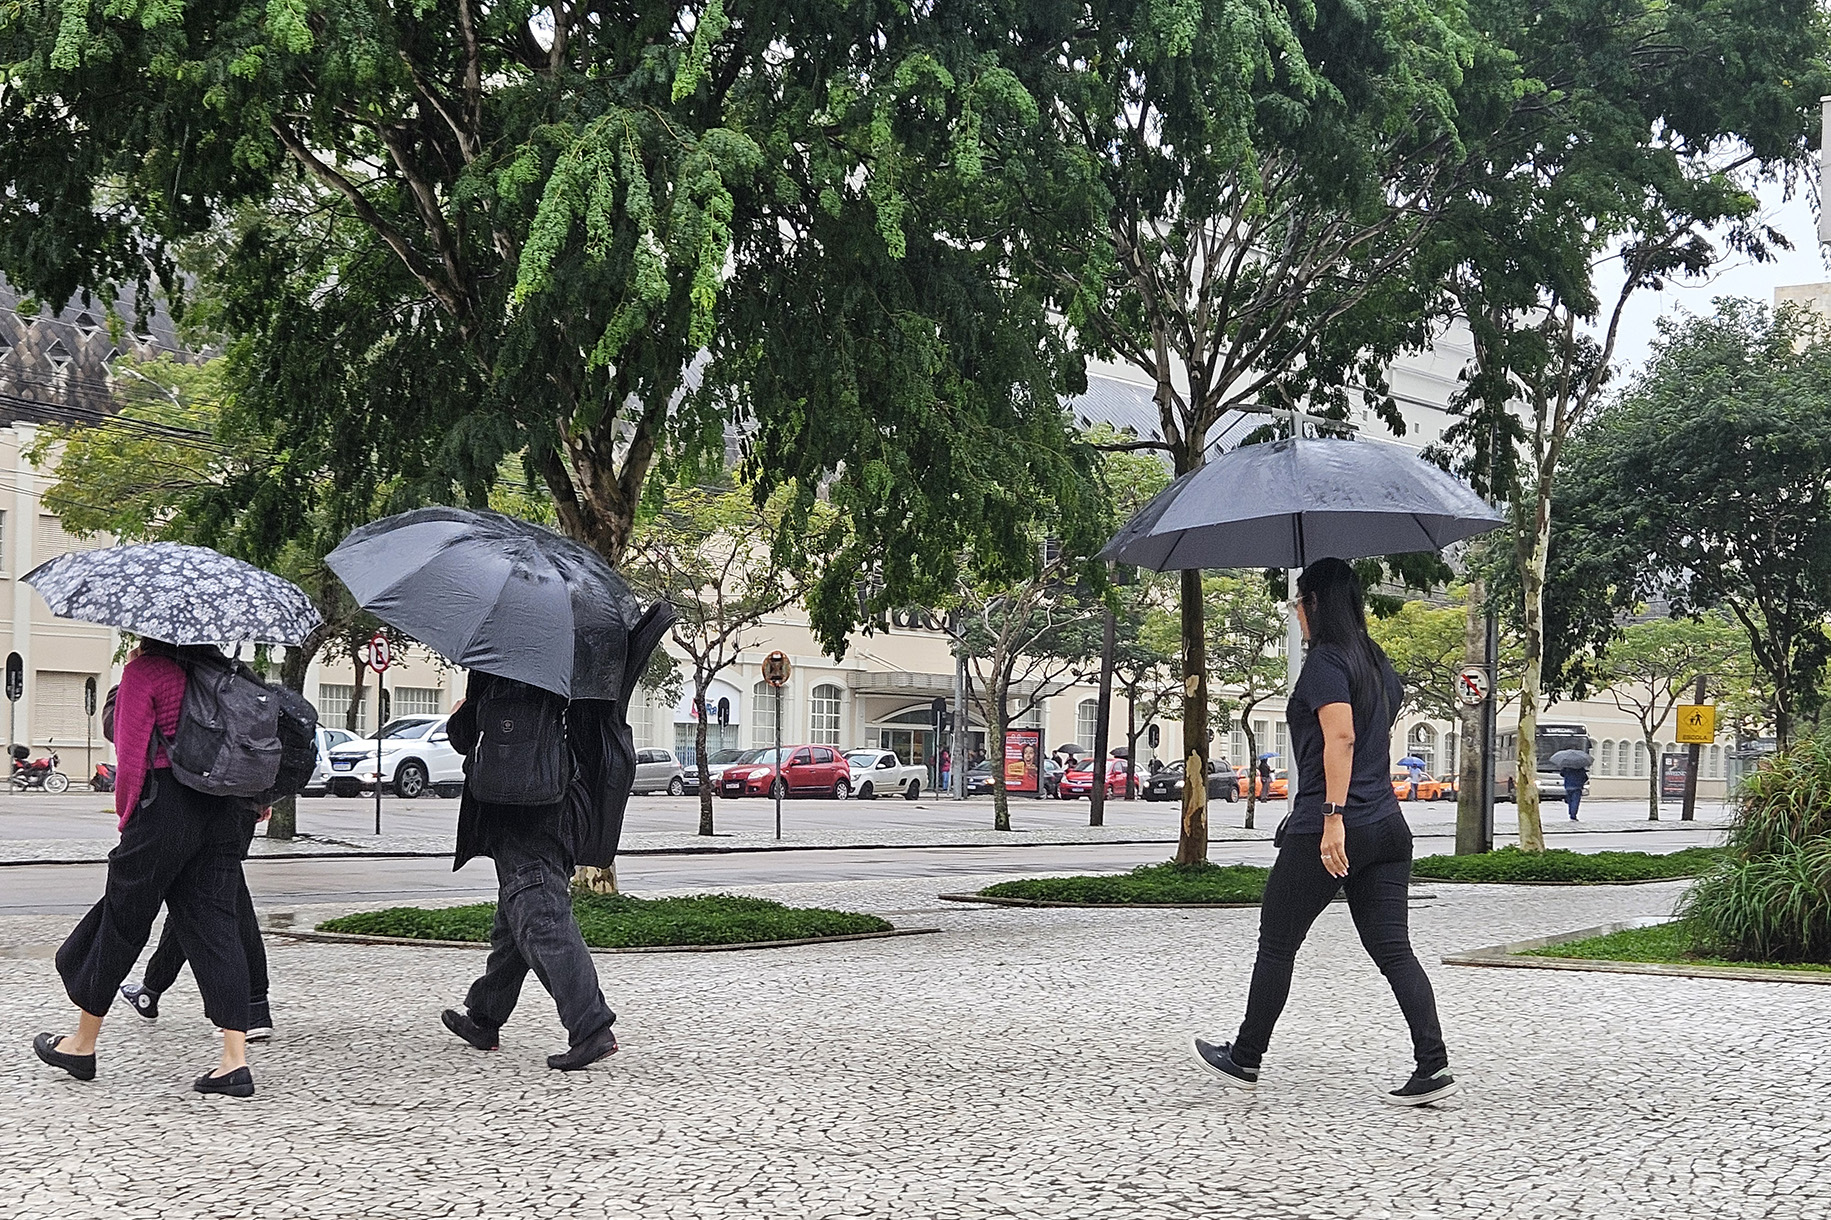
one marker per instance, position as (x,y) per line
(1101,906)
(348,938)
(1417,879)
(1508,956)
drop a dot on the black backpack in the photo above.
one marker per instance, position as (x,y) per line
(521,756)
(239,736)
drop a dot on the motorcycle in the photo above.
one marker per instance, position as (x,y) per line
(41,773)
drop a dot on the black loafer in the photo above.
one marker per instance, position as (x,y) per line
(598,1046)
(80,1066)
(239,1083)
(479,1035)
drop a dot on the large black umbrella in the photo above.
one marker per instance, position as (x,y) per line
(176,593)
(498,594)
(1288,502)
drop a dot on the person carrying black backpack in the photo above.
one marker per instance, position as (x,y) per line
(540,779)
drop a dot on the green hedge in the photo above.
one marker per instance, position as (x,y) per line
(617,921)
(1674,943)
(1558,864)
(1148,883)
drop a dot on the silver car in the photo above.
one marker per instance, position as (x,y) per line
(659,771)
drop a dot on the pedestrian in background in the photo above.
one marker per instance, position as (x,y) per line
(1265,778)
(1575,780)
(1344,828)
(1417,772)
(947,764)
(178,847)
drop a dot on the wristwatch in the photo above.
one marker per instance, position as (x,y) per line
(1330,810)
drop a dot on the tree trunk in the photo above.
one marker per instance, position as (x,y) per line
(1001,799)
(1131,744)
(701,684)
(284,823)
(352,719)
(1252,776)
(1652,781)
(1532,578)
(1469,721)
(1192,843)
(596,880)
(1103,722)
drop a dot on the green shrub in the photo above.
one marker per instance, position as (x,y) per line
(1559,864)
(1671,943)
(1770,899)
(1149,883)
(618,921)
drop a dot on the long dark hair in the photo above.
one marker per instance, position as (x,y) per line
(1337,613)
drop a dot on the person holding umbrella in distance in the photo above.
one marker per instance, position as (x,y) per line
(1573,767)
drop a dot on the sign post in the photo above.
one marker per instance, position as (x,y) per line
(381,655)
(775,672)
(1697,727)
(15,687)
(89,728)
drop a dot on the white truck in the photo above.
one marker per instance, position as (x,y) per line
(879,771)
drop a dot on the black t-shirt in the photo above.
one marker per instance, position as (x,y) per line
(1370,798)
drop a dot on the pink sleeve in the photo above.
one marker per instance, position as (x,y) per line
(135,713)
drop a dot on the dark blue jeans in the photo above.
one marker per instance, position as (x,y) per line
(1298,890)
(1573,797)
(536,930)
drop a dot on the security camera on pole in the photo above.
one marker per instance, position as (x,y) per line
(381,655)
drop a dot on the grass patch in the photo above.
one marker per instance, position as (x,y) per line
(617,921)
(1560,864)
(1667,943)
(1148,883)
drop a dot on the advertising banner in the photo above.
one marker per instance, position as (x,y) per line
(1023,754)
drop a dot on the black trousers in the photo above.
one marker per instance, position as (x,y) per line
(536,930)
(183,849)
(1298,890)
(168,956)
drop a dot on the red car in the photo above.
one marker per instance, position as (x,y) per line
(1078,780)
(810,771)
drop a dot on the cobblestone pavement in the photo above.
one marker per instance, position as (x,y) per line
(1021,1064)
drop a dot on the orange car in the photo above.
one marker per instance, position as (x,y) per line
(1277,790)
(1429,788)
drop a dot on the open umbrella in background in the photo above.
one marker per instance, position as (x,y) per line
(177,593)
(495,593)
(1288,502)
(1571,760)
(1411,760)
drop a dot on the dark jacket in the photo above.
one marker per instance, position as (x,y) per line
(603,765)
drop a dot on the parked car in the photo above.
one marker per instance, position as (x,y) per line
(1277,790)
(715,767)
(1052,778)
(416,756)
(1167,784)
(979,779)
(328,740)
(1429,788)
(1078,780)
(658,771)
(875,772)
(797,771)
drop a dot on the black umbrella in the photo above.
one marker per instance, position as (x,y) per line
(1285,503)
(498,594)
(1571,760)
(176,593)
(1069,749)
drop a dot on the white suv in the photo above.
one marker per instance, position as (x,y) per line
(416,755)
(879,771)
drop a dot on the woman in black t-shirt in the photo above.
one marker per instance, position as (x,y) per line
(1345,829)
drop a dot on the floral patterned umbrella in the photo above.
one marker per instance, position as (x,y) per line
(176,593)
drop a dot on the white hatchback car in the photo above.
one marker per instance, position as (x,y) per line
(328,740)
(879,771)
(416,755)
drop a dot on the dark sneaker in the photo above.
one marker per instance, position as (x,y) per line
(479,1035)
(1422,1090)
(238,1083)
(598,1046)
(1219,1060)
(144,1002)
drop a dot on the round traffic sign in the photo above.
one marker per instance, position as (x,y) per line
(381,653)
(1472,686)
(776,668)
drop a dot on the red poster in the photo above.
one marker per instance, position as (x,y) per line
(1023,749)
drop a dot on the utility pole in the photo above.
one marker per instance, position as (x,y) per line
(957,775)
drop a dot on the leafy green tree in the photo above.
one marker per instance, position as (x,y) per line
(1705,486)
(1637,151)
(1245,629)
(708,552)
(1651,667)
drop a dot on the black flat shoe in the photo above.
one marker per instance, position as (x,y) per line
(598,1046)
(239,1083)
(483,1037)
(80,1066)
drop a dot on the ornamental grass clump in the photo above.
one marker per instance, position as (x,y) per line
(1770,900)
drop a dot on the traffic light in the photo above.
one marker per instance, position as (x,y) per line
(1152,735)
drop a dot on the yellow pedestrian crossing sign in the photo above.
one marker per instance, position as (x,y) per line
(1697,723)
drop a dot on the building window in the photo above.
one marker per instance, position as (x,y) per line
(1640,760)
(1605,758)
(415,700)
(1086,721)
(334,706)
(1262,738)
(1283,747)
(1422,741)
(58,718)
(823,716)
(763,699)
(1237,745)
(1449,753)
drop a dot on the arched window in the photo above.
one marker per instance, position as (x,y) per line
(823,716)
(763,698)
(1640,760)
(1605,758)
(1422,741)
(1086,717)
